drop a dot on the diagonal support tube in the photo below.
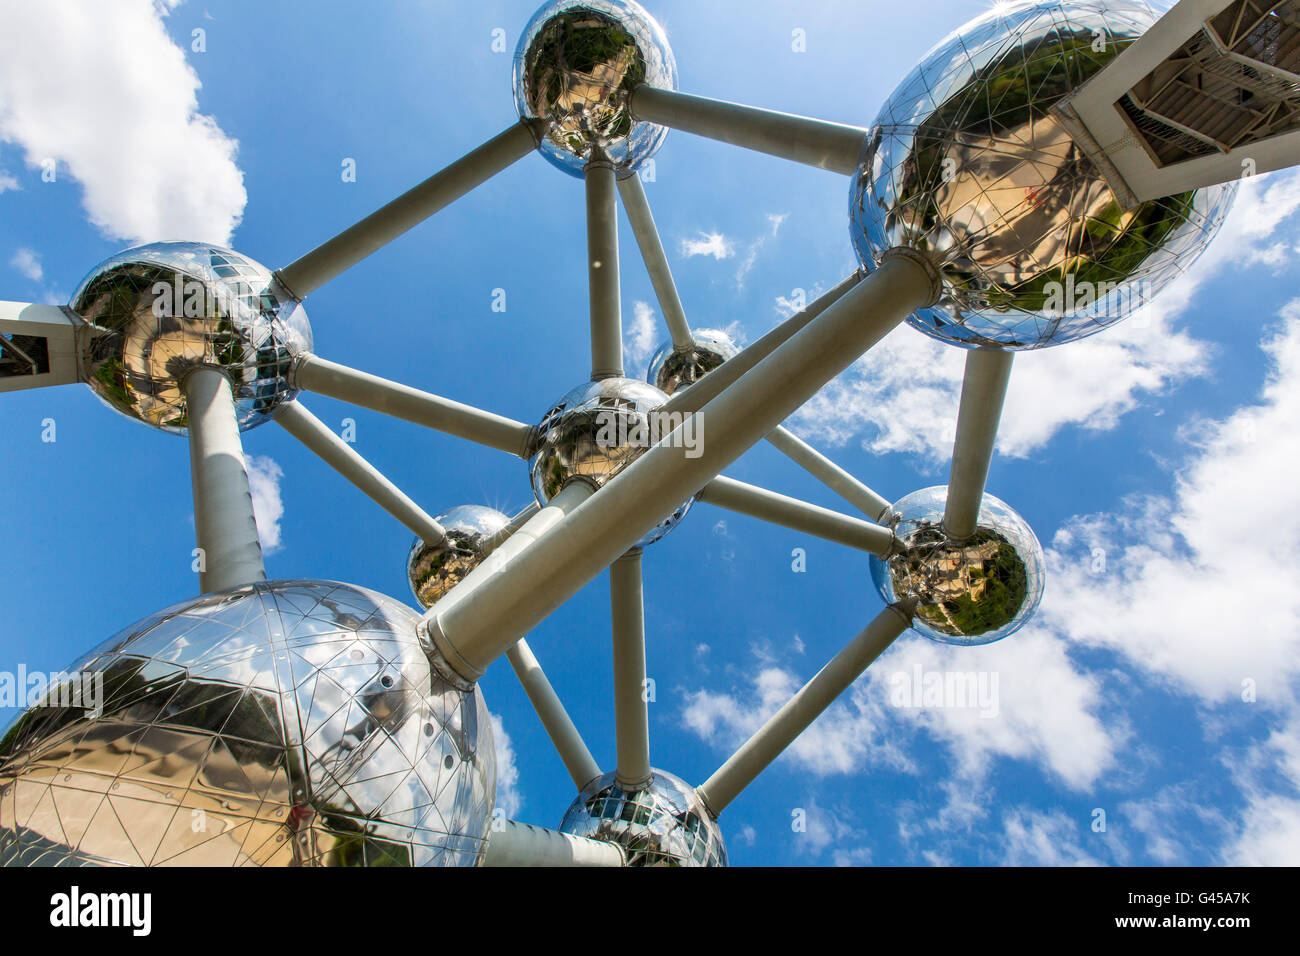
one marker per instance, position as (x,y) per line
(559,726)
(333,257)
(315,374)
(474,631)
(602,273)
(983,392)
(716,382)
(637,207)
(340,456)
(631,716)
(521,844)
(798,515)
(798,713)
(830,146)
(830,474)
(225,527)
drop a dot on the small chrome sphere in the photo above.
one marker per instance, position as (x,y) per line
(594,432)
(968,162)
(577,63)
(301,721)
(157,311)
(665,824)
(975,591)
(672,370)
(434,569)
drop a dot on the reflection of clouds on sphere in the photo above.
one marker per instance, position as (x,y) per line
(576,65)
(968,162)
(434,569)
(159,310)
(593,432)
(665,824)
(299,721)
(671,371)
(973,592)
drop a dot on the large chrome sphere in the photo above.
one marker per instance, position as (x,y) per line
(157,311)
(971,592)
(434,569)
(967,162)
(287,723)
(577,63)
(593,433)
(664,825)
(671,371)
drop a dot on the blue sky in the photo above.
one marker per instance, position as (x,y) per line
(1164,445)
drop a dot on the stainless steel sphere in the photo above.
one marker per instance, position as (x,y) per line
(664,825)
(971,592)
(594,432)
(671,371)
(576,65)
(434,569)
(157,311)
(967,162)
(288,723)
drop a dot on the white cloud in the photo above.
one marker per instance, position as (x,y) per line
(509,798)
(101,89)
(264,474)
(7,181)
(1204,582)
(641,338)
(708,244)
(902,396)
(1034,838)
(28,263)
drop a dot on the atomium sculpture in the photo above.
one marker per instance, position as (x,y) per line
(319,723)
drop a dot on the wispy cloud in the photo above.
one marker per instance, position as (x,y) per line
(28,263)
(7,181)
(509,798)
(713,244)
(641,338)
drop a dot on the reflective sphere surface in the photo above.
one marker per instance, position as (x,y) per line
(973,592)
(157,311)
(434,569)
(287,723)
(594,432)
(577,63)
(671,371)
(663,825)
(967,162)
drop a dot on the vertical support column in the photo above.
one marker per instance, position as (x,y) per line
(983,391)
(224,524)
(631,720)
(602,272)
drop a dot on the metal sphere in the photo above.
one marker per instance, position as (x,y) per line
(672,370)
(286,723)
(576,65)
(157,311)
(434,569)
(971,592)
(665,824)
(968,162)
(594,432)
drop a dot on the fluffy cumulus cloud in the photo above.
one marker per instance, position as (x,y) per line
(509,799)
(640,339)
(1204,581)
(902,396)
(28,263)
(264,474)
(101,90)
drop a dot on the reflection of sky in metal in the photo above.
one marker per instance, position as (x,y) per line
(291,723)
(434,569)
